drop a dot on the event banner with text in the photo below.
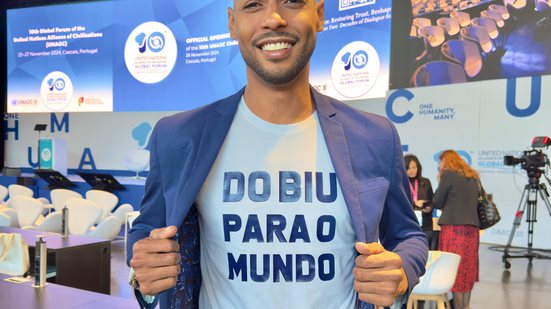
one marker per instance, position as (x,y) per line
(145,55)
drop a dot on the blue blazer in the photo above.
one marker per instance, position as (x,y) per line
(365,151)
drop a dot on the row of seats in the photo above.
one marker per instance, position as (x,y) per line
(90,216)
(461,42)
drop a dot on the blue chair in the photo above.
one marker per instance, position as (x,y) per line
(438,73)
(465,53)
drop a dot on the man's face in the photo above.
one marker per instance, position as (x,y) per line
(276,37)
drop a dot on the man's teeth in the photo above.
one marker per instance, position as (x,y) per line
(276,46)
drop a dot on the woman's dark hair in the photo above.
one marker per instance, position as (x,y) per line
(411,157)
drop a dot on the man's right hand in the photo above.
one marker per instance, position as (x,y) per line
(156,261)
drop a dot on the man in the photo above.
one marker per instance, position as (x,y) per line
(284,191)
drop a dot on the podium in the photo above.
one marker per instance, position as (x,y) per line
(53,154)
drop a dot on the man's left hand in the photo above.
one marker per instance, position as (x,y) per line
(378,274)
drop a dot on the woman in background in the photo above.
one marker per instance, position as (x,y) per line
(457,196)
(421,190)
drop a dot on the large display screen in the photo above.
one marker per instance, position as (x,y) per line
(453,41)
(170,55)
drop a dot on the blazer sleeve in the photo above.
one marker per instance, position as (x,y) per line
(152,213)
(399,230)
(439,198)
(152,209)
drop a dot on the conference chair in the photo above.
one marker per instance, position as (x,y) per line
(121,212)
(433,37)
(500,9)
(438,73)
(496,16)
(83,214)
(137,160)
(417,24)
(487,23)
(12,214)
(51,223)
(5,220)
(17,190)
(542,5)
(515,7)
(479,35)
(108,228)
(59,198)
(28,209)
(103,199)
(465,53)
(450,24)
(463,18)
(3,193)
(437,281)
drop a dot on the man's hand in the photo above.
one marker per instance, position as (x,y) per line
(156,261)
(378,274)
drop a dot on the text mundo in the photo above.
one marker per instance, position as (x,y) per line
(290,267)
(279,267)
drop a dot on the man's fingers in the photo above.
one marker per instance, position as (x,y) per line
(156,287)
(376,274)
(158,260)
(377,288)
(148,245)
(163,233)
(369,248)
(377,299)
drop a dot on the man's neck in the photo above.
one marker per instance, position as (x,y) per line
(285,104)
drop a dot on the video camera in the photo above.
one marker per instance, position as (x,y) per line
(532,160)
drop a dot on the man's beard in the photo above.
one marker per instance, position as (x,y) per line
(278,76)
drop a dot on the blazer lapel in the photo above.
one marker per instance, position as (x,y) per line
(212,137)
(338,151)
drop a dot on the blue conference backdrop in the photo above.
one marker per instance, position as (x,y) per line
(145,55)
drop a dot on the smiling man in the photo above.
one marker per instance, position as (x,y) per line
(277,196)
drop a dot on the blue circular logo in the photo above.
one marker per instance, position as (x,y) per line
(156,42)
(360,59)
(59,84)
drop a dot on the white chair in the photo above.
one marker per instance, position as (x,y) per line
(121,212)
(12,214)
(82,215)
(60,196)
(28,210)
(105,200)
(438,279)
(5,220)
(17,190)
(108,228)
(51,223)
(137,160)
(3,193)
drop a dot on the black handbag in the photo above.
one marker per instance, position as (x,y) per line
(487,210)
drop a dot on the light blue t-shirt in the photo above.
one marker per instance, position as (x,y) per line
(275,231)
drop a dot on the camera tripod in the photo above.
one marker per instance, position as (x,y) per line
(531,191)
